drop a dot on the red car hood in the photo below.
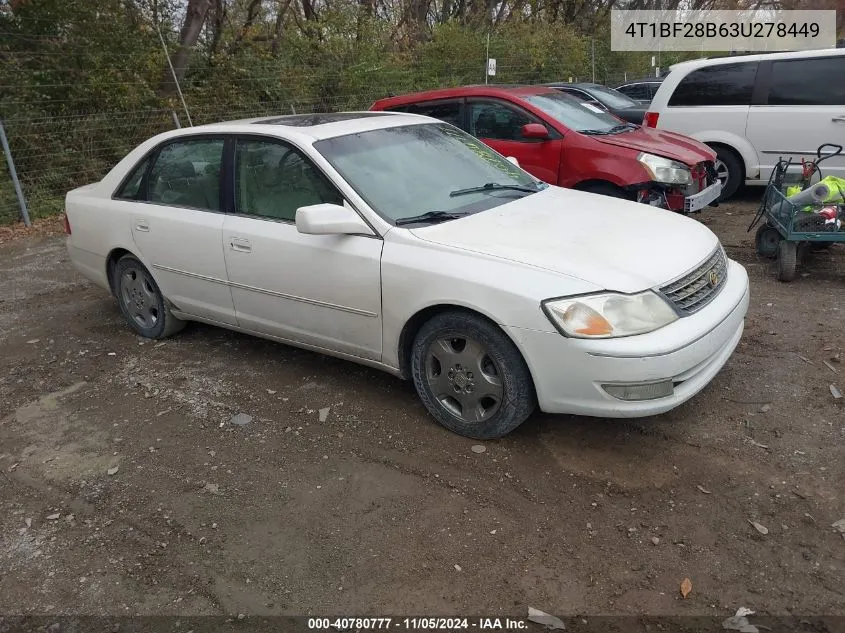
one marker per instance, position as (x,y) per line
(662,143)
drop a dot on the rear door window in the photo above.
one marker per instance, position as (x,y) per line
(813,81)
(187,174)
(725,84)
(446,111)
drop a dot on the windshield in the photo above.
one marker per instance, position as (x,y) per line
(405,172)
(612,98)
(572,113)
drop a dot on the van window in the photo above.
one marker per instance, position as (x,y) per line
(726,84)
(812,81)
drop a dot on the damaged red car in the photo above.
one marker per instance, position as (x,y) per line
(567,142)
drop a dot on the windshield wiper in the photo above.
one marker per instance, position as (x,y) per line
(624,127)
(493,186)
(595,132)
(430,216)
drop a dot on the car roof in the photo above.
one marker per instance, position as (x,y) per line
(314,127)
(733,59)
(492,90)
(643,80)
(574,84)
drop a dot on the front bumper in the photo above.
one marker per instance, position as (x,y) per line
(569,373)
(706,196)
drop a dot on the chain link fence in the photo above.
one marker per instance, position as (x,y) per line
(53,154)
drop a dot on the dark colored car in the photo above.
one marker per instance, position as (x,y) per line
(641,90)
(605,98)
(562,141)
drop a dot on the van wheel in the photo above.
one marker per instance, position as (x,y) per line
(729,171)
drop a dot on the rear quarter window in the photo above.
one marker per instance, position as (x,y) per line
(725,84)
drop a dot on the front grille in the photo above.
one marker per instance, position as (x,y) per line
(700,286)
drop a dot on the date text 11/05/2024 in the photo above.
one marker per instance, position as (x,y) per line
(417,624)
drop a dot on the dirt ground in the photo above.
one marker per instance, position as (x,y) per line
(125,489)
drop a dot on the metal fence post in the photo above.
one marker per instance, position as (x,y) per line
(176,119)
(11,163)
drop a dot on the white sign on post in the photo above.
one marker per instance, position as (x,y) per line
(491,67)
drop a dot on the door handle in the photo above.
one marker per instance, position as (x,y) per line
(240,245)
(142,225)
(838,119)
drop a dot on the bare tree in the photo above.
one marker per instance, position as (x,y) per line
(195,15)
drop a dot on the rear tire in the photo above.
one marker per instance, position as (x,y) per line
(141,302)
(470,376)
(730,171)
(767,240)
(787,260)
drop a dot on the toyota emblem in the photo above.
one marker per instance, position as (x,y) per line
(714,279)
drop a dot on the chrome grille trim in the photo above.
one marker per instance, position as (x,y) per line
(694,290)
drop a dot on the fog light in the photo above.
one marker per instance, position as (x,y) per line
(640,390)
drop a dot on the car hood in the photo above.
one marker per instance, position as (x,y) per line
(662,143)
(611,243)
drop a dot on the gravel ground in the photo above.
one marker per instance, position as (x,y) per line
(126,489)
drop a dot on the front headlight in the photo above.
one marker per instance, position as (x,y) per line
(664,170)
(609,315)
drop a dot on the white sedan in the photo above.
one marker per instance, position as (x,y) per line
(400,242)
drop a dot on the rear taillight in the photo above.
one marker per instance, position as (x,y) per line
(650,119)
(67,225)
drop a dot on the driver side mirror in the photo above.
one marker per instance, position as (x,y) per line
(535,130)
(330,219)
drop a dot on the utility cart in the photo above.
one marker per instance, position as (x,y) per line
(796,214)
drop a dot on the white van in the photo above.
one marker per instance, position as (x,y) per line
(753,109)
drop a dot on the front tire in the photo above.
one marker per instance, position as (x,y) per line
(470,376)
(787,260)
(141,302)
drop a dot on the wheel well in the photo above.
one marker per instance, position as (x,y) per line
(111,263)
(413,325)
(586,185)
(717,145)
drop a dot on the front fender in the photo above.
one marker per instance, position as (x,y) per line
(738,143)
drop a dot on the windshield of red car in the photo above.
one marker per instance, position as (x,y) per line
(574,114)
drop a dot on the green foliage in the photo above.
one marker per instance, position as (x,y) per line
(79,80)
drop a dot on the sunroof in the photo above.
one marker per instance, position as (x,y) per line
(307,120)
